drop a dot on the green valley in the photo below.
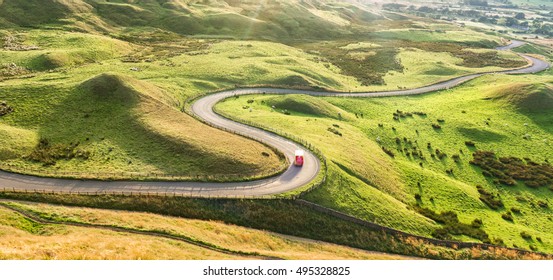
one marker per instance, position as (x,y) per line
(145,109)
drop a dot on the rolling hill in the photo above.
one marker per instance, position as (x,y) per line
(284,19)
(92,87)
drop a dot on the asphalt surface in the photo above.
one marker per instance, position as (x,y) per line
(294,177)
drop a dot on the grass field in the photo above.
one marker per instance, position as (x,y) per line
(103,244)
(99,87)
(121,124)
(504,114)
(62,79)
(25,240)
(275,216)
(278,20)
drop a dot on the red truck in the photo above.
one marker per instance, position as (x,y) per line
(299,158)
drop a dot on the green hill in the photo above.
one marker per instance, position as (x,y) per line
(529,98)
(114,123)
(407,162)
(282,19)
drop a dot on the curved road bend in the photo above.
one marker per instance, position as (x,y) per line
(292,178)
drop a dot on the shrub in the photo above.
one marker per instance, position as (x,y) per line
(250,101)
(388,152)
(400,114)
(436,126)
(476,223)
(418,197)
(515,210)
(49,154)
(456,158)
(440,154)
(452,225)
(492,200)
(498,242)
(441,233)
(486,173)
(509,169)
(335,131)
(470,144)
(507,217)
(543,204)
(526,235)
(370,70)
(5,108)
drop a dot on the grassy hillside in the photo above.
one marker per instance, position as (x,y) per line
(36,50)
(24,238)
(401,161)
(63,74)
(283,19)
(275,216)
(121,124)
(98,88)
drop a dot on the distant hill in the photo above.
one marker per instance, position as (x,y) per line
(269,19)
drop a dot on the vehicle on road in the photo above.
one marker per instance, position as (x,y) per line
(299,158)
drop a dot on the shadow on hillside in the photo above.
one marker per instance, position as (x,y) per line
(107,116)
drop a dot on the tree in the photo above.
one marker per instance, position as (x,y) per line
(520,16)
(482,3)
(511,22)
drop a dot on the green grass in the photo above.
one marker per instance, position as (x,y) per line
(488,111)
(51,92)
(278,20)
(532,49)
(62,49)
(437,34)
(24,224)
(108,105)
(278,216)
(122,125)
(392,63)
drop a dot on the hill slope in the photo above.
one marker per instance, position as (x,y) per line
(114,123)
(243,19)
(54,241)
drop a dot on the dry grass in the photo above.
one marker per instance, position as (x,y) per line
(217,233)
(74,243)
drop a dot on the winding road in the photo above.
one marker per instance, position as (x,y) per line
(292,178)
